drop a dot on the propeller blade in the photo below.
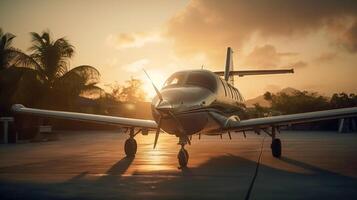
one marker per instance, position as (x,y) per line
(180,126)
(157,132)
(152,83)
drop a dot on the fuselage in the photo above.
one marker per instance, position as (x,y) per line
(189,98)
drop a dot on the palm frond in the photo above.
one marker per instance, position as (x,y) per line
(84,73)
(21,59)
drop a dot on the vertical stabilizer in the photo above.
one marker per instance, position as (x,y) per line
(229,66)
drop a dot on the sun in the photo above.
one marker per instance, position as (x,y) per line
(158,77)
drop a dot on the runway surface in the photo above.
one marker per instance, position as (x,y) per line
(92,165)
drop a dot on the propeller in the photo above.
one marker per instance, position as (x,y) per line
(156,90)
(161,99)
(157,132)
(182,130)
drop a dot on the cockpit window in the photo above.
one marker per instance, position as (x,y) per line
(175,79)
(202,79)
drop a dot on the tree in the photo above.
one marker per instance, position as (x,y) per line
(50,58)
(8,53)
(342,100)
(16,82)
(130,92)
(298,102)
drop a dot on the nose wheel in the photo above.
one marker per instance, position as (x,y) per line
(182,155)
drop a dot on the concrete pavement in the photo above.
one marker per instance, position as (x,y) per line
(92,165)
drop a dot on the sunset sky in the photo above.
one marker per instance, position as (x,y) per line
(317,38)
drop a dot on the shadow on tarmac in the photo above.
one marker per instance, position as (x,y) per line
(223,177)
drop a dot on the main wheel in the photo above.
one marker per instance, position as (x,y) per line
(183,157)
(276,148)
(130,147)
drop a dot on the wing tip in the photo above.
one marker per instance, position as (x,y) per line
(17,107)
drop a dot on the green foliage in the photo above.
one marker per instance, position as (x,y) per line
(16,83)
(63,86)
(342,100)
(131,91)
(46,77)
(298,102)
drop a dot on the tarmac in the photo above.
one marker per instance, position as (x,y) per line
(92,165)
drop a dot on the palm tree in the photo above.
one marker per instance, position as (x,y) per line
(8,54)
(63,85)
(16,83)
(6,51)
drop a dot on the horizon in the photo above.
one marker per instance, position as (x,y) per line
(120,38)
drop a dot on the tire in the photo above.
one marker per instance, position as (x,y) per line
(130,147)
(276,148)
(183,158)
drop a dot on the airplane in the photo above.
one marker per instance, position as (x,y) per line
(198,102)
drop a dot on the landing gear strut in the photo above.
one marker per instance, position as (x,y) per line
(275,144)
(130,146)
(182,155)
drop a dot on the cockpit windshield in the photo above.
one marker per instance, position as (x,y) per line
(202,79)
(175,79)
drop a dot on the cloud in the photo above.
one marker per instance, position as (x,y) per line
(210,25)
(349,38)
(265,56)
(133,40)
(299,64)
(326,56)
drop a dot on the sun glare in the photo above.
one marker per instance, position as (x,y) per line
(158,78)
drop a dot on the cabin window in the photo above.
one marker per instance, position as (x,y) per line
(229,92)
(236,92)
(202,79)
(224,87)
(230,88)
(240,96)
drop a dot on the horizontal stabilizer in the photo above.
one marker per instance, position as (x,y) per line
(256,72)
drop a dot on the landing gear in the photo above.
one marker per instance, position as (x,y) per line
(276,148)
(275,144)
(130,146)
(182,155)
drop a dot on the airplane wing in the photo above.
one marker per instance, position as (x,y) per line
(283,120)
(256,72)
(120,121)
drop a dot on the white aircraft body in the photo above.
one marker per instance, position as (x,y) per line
(198,102)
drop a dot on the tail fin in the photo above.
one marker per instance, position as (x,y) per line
(229,66)
(229,73)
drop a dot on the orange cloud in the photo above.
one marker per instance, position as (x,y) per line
(133,40)
(210,26)
(326,56)
(265,56)
(299,64)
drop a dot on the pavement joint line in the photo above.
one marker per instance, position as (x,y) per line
(247,196)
